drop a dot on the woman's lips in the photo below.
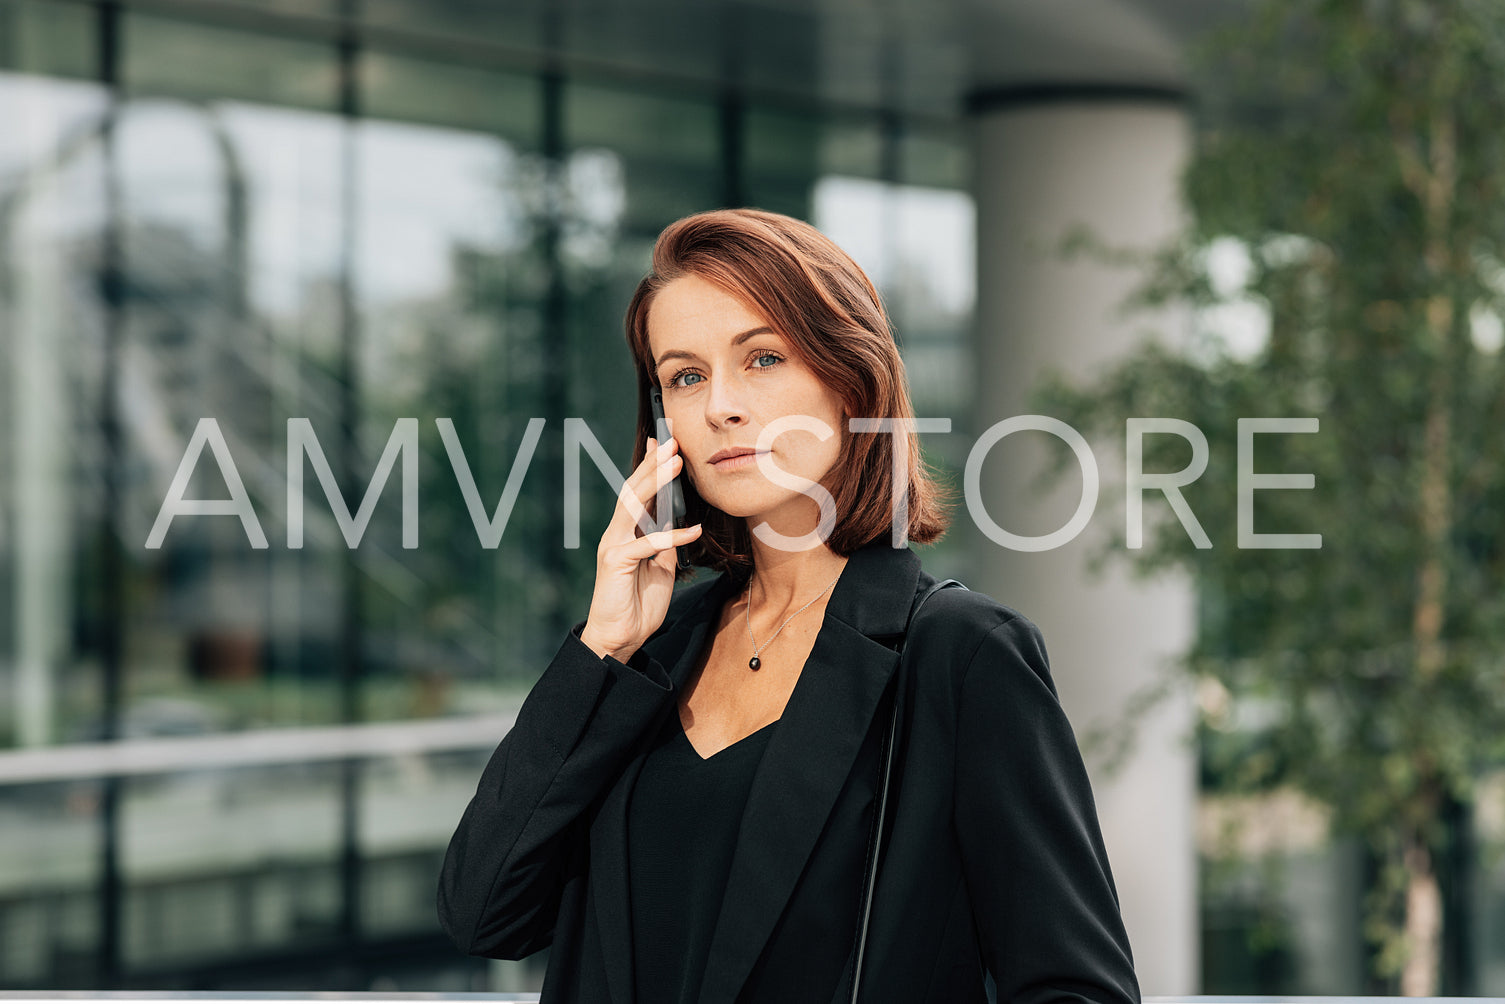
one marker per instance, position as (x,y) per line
(738,462)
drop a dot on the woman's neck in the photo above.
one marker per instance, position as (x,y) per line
(784,580)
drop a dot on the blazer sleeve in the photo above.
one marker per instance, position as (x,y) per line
(1042,892)
(500,886)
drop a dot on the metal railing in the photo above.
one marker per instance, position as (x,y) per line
(259,748)
(253,997)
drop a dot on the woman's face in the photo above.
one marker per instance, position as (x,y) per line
(726,375)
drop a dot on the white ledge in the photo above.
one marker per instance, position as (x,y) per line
(259,748)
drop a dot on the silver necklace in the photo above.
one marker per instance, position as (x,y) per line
(755,662)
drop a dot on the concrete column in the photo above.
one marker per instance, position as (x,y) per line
(1048,162)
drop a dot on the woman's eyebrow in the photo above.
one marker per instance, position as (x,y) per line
(736,340)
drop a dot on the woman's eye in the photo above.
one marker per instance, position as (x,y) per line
(683,375)
(767,355)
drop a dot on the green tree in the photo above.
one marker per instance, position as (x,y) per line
(1351,154)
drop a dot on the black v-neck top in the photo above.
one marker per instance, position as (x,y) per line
(682,828)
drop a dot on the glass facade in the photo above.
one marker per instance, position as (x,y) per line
(242,240)
(238,242)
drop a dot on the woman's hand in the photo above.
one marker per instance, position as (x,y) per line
(635,571)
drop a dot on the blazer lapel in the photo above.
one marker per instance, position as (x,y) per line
(803,769)
(809,757)
(677,649)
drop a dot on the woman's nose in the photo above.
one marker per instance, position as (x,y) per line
(725,402)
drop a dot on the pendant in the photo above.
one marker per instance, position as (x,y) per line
(754,662)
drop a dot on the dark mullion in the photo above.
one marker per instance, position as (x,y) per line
(352,659)
(112,566)
(555,349)
(732,113)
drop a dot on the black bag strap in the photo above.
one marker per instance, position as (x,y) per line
(887,756)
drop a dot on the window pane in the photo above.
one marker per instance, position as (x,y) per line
(41,36)
(220,864)
(782,159)
(651,34)
(517,24)
(935,158)
(432,93)
(166,56)
(49,868)
(450,295)
(659,129)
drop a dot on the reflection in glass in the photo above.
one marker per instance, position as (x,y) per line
(51,215)
(48,879)
(220,863)
(461,249)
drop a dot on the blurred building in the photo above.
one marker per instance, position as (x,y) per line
(357,212)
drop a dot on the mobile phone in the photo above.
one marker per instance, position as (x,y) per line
(676,491)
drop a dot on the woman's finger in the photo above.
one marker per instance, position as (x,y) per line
(655,457)
(650,544)
(626,511)
(631,513)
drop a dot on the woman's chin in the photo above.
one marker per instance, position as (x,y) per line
(737,505)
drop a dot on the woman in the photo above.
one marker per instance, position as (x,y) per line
(684,807)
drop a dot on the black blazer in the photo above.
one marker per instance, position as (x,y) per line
(992,856)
